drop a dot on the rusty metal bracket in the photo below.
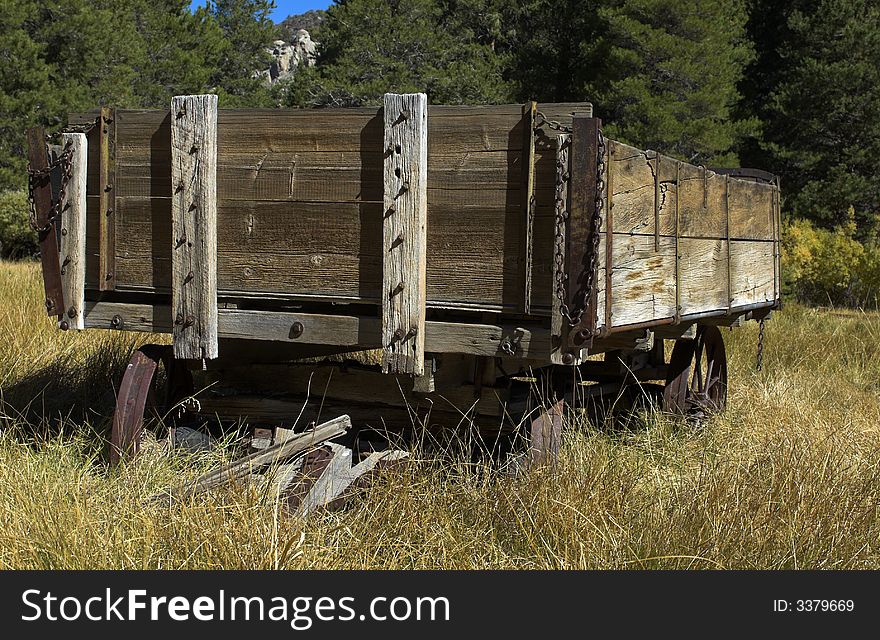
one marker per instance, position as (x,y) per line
(38,161)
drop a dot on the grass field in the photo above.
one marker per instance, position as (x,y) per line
(788,477)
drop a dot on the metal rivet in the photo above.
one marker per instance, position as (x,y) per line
(64,326)
(72,312)
(567,358)
(116,321)
(296,330)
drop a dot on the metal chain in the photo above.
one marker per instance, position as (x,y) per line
(759,363)
(74,128)
(574,315)
(541,120)
(38,176)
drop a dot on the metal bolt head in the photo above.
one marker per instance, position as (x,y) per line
(64,325)
(567,358)
(72,312)
(296,330)
(116,321)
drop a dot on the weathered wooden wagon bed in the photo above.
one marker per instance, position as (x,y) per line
(474,248)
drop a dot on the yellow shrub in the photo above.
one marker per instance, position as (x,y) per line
(829,267)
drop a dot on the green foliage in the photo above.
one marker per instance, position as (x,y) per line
(17,239)
(25,96)
(816,86)
(247,32)
(371,47)
(661,74)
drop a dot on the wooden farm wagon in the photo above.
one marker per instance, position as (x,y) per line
(485,254)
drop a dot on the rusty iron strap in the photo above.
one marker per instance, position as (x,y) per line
(41,194)
(128,420)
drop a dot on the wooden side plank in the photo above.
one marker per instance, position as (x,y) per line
(194,226)
(73,233)
(354,331)
(404,233)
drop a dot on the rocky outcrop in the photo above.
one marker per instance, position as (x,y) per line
(301,52)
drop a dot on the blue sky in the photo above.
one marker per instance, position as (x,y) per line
(284,8)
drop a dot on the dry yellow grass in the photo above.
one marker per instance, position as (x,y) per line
(787,478)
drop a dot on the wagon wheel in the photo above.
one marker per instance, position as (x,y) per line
(696,382)
(137,391)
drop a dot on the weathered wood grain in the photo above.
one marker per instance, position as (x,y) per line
(751,210)
(73,232)
(642,279)
(703,275)
(404,233)
(194,226)
(751,267)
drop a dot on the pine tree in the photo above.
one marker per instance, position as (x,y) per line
(370,47)
(179,50)
(26,96)
(661,74)
(248,31)
(817,90)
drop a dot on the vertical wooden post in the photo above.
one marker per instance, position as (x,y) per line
(107,199)
(530,110)
(404,233)
(194,226)
(38,160)
(73,232)
(677,315)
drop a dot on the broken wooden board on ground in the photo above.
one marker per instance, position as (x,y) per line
(322,481)
(275,454)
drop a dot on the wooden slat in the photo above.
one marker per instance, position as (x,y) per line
(38,160)
(73,232)
(404,232)
(107,194)
(353,331)
(194,226)
(643,279)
